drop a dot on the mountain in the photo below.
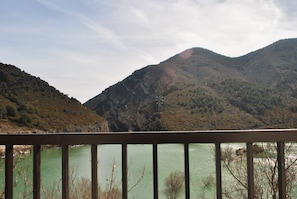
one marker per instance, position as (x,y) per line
(28,104)
(200,89)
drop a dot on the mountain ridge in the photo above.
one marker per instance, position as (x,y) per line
(29,104)
(202,89)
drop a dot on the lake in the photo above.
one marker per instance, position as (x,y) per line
(170,159)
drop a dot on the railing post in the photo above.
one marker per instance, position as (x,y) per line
(36,171)
(94,166)
(65,172)
(9,172)
(155,170)
(218,170)
(281,170)
(250,170)
(124,171)
(187,171)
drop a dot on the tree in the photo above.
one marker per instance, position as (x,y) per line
(25,119)
(265,172)
(11,111)
(21,176)
(174,184)
(80,187)
(3,112)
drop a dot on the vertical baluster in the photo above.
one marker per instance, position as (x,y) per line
(281,170)
(187,171)
(218,170)
(155,169)
(36,171)
(250,170)
(94,171)
(124,171)
(9,172)
(65,172)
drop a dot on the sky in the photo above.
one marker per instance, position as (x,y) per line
(81,47)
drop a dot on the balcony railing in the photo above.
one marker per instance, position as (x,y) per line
(216,137)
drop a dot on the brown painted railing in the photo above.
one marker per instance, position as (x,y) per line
(217,137)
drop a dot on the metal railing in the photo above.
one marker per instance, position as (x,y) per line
(216,137)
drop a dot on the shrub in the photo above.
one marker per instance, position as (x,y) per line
(11,111)
(174,184)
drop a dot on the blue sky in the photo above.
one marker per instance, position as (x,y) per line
(81,47)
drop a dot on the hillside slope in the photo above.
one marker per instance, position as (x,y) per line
(28,103)
(200,89)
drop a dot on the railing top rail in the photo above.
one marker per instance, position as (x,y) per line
(151,137)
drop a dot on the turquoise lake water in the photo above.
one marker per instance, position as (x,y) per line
(170,159)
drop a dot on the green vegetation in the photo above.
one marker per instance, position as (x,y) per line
(208,91)
(201,101)
(31,102)
(252,98)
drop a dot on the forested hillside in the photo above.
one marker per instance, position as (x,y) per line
(200,89)
(28,103)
